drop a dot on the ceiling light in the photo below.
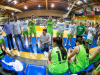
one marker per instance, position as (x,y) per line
(68,8)
(15,2)
(79,2)
(52,5)
(39,5)
(25,7)
(9,0)
(12,13)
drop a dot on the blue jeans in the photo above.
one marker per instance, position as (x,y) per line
(16,40)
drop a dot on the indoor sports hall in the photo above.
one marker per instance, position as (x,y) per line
(34,33)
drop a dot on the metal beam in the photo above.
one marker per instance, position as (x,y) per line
(10,8)
(46,4)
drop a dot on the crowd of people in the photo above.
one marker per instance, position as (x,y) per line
(58,59)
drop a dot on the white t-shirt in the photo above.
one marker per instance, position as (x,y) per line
(90,36)
(1,36)
(45,38)
(72,29)
(25,25)
(61,27)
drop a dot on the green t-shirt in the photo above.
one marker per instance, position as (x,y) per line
(80,30)
(1,53)
(81,58)
(32,24)
(49,24)
(59,62)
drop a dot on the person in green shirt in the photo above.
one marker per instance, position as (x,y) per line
(96,71)
(49,27)
(80,31)
(57,58)
(3,52)
(80,52)
(96,55)
(31,25)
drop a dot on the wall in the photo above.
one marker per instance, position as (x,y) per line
(41,13)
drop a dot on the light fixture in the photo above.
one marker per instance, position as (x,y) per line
(15,2)
(52,5)
(15,11)
(79,2)
(9,0)
(25,7)
(12,13)
(39,6)
(68,8)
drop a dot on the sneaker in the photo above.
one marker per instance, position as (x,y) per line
(9,51)
(65,44)
(69,44)
(25,44)
(37,45)
(23,47)
(18,53)
(30,45)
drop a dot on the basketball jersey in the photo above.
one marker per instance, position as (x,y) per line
(90,35)
(87,57)
(32,24)
(81,58)
(49,24)
(59,61)
(72,28)
(24,25)
(61,27)
(97,57)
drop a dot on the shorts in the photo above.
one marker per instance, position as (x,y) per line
(25,33)
(74,68)
(89,41)
(32,31)
(54,72)
(98,68)
(50,31)
(60,34)
(70,36)
(1,40)
(78,36)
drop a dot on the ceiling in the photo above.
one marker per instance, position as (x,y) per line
(45,4)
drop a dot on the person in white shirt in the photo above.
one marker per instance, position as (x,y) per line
(60,28)
(91,33)
(16,29)
(72,29)
(45,38)
(25,29)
